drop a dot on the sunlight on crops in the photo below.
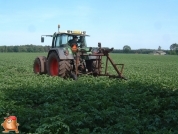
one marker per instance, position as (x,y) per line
(18,67)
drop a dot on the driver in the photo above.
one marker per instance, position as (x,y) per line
(73,43)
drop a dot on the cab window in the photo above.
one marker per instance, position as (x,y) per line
(57,43)
(64,39)
(61,40)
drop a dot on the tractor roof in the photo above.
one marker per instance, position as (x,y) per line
(68,32)
(74,33)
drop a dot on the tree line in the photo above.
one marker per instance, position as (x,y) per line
(24,48)
(126,49)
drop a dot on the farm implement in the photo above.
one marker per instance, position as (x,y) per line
(69,56)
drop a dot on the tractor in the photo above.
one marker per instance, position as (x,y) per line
(69,59)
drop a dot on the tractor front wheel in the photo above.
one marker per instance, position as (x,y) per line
(57,67)
(39,65)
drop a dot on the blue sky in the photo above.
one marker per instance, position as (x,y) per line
(115,23)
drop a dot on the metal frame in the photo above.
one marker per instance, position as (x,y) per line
(100,54)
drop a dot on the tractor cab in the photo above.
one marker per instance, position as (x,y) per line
(62,39)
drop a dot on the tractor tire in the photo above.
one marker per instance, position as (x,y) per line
(39,65)
(89,65)
(57,67)
(92,66)
(95,68)
(73,76)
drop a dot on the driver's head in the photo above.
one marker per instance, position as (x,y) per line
(75,37)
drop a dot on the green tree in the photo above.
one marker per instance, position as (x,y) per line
(126,49)
(16,49)
(174,48)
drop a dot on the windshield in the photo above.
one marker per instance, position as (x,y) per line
(63,40)
(81,41)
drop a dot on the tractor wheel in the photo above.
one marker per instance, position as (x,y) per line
(39,65)
(73,76)
(95,68)
(92,66)
(57,67)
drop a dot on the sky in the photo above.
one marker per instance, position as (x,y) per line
(141,24)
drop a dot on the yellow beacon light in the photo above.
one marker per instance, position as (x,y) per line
(76,32)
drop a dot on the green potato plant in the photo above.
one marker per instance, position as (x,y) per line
(145,103)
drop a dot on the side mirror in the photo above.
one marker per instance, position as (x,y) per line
(42,39)
(99,44)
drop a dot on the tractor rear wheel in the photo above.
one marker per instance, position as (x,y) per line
(95,68)
(57,67)
(92,66)
(39,65)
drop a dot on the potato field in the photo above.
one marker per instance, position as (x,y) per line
(147,103)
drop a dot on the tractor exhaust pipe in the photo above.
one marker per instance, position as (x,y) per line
(58,28)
